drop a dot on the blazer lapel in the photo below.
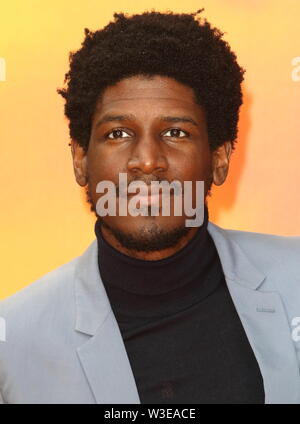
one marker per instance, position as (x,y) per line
(264,320)
(103,355)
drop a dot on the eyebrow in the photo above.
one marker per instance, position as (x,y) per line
(130,117)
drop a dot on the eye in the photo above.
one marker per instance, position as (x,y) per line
(175,132)
(113,135)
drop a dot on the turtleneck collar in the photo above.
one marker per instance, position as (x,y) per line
(156,277)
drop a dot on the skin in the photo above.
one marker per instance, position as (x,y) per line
(147,150)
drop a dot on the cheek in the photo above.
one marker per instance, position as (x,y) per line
(196,165)
(102,166)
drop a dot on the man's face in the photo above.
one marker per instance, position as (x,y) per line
(152,130)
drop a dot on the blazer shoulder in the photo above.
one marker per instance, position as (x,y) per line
(40,293)
(269,252)
(268,242)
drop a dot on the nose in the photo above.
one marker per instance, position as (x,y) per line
(147,156)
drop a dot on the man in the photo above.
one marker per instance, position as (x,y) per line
(156,311)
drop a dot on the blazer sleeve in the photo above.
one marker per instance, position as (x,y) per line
(1,399)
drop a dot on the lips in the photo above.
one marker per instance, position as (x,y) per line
(150,199)
(147,199)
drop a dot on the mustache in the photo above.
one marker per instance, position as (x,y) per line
(146,180)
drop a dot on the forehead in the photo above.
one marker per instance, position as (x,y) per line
(141,91)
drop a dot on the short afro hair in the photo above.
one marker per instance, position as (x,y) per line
(179,46)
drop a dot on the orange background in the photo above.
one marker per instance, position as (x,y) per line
(45,220)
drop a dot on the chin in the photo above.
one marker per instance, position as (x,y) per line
(146,234)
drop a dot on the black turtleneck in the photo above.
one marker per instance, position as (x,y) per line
(183,337)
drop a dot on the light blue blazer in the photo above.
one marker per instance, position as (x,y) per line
(60,342)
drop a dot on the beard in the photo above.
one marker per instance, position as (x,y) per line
(149,238)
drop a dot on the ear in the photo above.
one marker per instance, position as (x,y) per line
(220,162)
(79,163)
